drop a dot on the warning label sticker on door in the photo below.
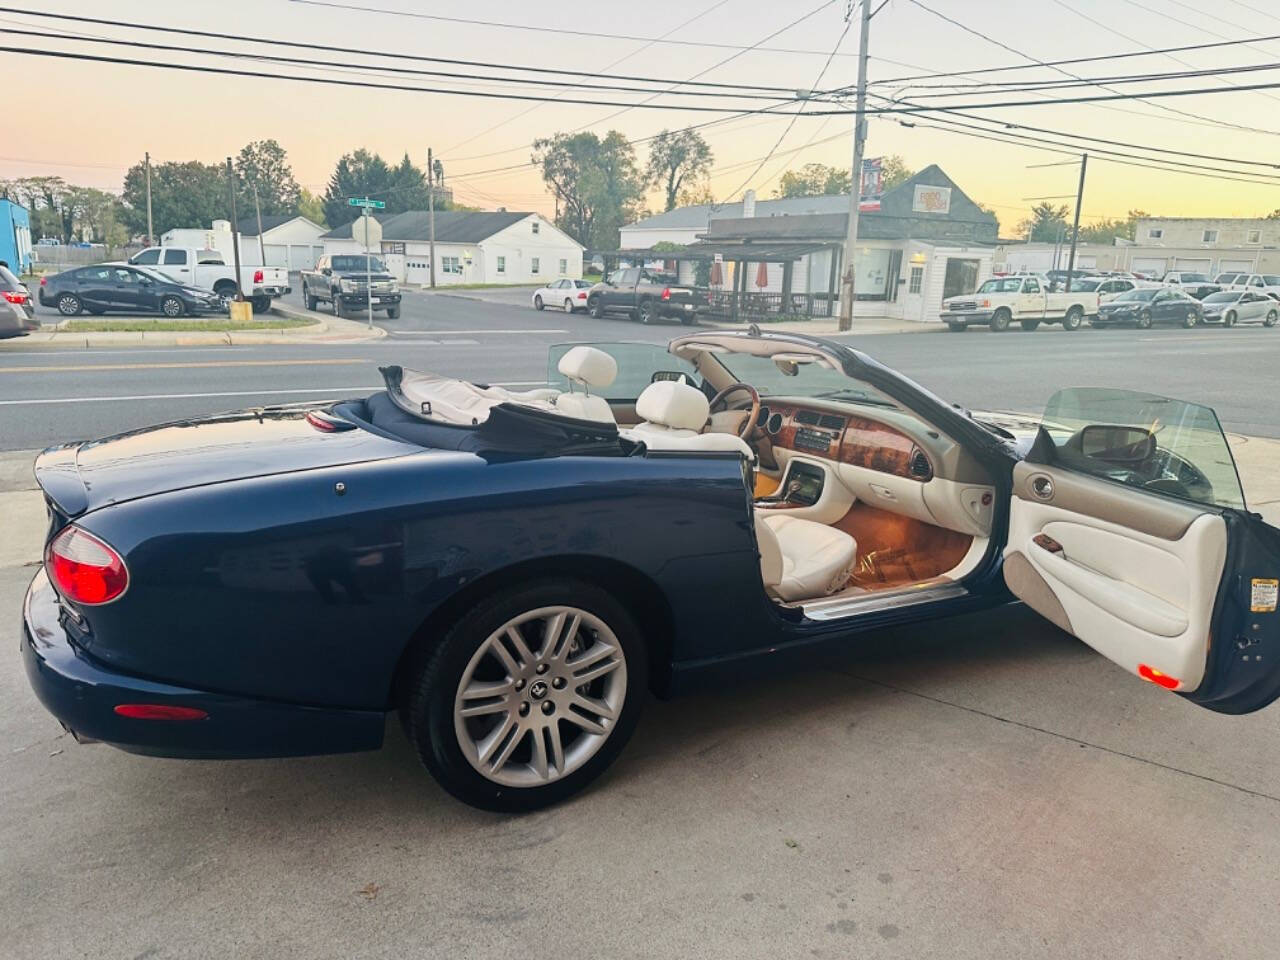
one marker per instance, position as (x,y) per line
(1263,596)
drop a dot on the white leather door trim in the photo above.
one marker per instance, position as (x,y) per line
(1135,607)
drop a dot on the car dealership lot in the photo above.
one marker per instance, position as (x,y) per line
(985,787)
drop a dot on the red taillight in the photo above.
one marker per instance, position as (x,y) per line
(320,423)
(85,569)
(160,711)
(666,293)
(257,276)
(582,295)
(44,281)
(14,296)
(1158,678)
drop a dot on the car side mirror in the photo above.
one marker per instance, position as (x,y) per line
(1112,444)
(326,271)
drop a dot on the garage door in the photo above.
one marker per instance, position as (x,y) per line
(277,254)
(417,270)
(1235,266)
(301,256)
(1153,266)
(1191,264)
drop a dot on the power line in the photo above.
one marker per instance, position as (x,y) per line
(1028,86)
(222,38)
(591,34)
(332,81)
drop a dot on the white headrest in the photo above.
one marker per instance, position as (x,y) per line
(670,403)
(589,367)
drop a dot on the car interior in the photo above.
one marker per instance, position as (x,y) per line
(858,502)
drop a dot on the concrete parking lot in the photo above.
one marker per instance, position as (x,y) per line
(983,788)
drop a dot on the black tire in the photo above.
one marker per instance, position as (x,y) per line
(69,305)
(537,302)
(1000,320)
(336,303)
(957,326)
(172,307)
(646,313)
(1073,319)
(1030,325)
(1229,319)
(308,299)
(393,313)
(688,319)
(1270,320)
(596,307)
(428,708)
(261,304)
(1144,320)
(225,290)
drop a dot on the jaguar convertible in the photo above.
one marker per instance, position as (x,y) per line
(513,572)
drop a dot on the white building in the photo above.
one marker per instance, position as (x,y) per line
(288,240)
(471,247)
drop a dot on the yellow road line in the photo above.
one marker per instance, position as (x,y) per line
(183,366)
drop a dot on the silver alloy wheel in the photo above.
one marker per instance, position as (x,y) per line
(172,307)
(68,305)
(540,696)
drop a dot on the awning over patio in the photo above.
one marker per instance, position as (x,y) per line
(753,252)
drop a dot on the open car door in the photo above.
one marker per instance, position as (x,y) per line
(1128,528)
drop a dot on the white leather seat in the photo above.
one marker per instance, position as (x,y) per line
(587,367)
(801,559)
(673,415)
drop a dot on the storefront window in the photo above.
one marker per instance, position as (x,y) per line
(961,278)
(876,273)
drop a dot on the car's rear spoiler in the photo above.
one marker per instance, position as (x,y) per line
(59,478)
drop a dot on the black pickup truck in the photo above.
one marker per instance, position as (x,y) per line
(343,280)
(645,296)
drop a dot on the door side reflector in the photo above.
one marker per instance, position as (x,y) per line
(1158,678)
(159,711)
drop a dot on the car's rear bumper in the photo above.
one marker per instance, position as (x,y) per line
(82,695)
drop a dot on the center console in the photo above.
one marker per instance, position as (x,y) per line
(801,487)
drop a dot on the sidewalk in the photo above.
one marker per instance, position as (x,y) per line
(323,330)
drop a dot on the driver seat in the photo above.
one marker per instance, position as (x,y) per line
(673,416)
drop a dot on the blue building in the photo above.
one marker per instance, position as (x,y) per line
(15,236)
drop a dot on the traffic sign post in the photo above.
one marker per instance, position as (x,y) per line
(367,204)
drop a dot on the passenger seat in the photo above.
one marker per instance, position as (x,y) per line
(587,367)
(801,559)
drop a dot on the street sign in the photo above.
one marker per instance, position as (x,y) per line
(366,202)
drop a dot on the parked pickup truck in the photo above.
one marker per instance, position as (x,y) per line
(1026,299)
(208,270)
(344,279)
(644,296)
(1268,283)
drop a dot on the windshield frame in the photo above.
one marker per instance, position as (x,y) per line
(375,263)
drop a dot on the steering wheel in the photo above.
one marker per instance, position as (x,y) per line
(750,423)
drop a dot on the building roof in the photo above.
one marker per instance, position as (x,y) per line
(248,227)
(452,226)
(700,215)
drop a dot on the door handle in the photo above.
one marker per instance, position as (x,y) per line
(1042,487)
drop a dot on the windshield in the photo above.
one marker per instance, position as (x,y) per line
(797,379)
(1142,295)
(1195,278)
(1271,279)
(350,264)
(1086,286)
(1001,285)
(1227,296)
(1226,278)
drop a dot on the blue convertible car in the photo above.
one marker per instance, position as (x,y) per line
(513,572)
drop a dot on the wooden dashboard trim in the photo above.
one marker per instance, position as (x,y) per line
(862,442)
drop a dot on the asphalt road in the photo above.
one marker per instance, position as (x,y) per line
(974,789)
(51,395)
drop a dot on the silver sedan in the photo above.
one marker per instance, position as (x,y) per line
(1229,307)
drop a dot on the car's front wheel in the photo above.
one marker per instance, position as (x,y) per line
(529,696)
(1144,320)
(1073,319)
(1190,319)
(1270,320)
(1000,320)
(309,300)
(1229,320)
(537,302)
(957,326)
(596,306)
(393,313)
(172,307)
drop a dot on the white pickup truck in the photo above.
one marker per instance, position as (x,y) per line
(209,270)
(1024,298)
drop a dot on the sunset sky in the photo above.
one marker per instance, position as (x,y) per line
(88,122)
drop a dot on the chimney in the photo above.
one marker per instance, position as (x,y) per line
(749,204)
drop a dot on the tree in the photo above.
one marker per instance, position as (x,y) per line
(1108,230)
(697,194)
(894,172)
(812,180)
(677,158)
(311,207)
(264,164)
(596,183)
(188,194)
(985,209)
(1273,215)
(97,216)
(358,174)
(408,188)
(1046,223)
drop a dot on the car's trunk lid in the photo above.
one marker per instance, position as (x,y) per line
(80,477)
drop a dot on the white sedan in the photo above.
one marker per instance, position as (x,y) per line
(568,295)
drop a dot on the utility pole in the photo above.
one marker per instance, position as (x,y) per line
(855,192)
(431,213)
(1075,228)
(146,162)
(235,233)
(368,268)
(262,251)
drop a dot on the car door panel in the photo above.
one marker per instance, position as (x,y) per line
(1140,589)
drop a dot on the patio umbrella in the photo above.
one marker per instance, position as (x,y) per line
(717,274)
(762,275)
